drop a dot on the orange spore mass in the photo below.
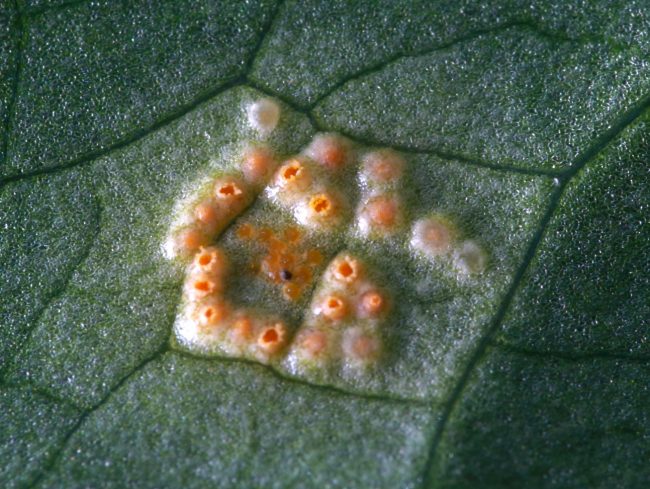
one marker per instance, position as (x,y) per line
(265,235)
(372,303)
(212,313)
(383,211)
(290,172)
(206,213)
(292,234)
(192,239)
(229,190)
(291,291)
(246,231)
(272,338)
(321,204)
(334,308)
(346,270)
(204,286)
(314,257)
(257,163)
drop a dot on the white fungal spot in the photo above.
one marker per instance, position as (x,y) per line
(330,150)
(263,115)
(470,258)
(433,236)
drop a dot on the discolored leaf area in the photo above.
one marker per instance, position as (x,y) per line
(527,122)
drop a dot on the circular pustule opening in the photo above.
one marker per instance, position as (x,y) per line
(321,204)
(203,285)
(228,190)
(346,270)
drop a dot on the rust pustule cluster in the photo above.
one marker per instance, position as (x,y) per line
(347,303)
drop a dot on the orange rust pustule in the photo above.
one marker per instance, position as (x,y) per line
(206,212)
(314,343)
(347,270)
(202,285)
(192,239)
(383,166)
(373,304)
(293,176)
(210,260)
(212,313)
(334,308)
(322,205)
(272,338)
(330,150)
(383,211)
(257,164)
(242,330)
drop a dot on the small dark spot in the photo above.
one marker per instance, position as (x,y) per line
(286,274)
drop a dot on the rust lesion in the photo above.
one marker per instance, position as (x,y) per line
(346,308)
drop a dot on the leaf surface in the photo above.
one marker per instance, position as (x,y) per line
(527,123)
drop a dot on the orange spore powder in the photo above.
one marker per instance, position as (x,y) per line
(210,259)
(272,338)
(334,308)
(347,270)
(284,261)
(321,204)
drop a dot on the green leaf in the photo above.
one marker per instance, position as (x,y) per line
(528,123)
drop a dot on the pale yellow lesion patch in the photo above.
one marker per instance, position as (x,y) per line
(349,310)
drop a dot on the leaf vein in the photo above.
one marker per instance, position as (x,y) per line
(98,212)
(436,47)
(623,121)
(56,456)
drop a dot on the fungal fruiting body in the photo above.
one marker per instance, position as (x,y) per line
(348,307)
(304,188)
(380,212)
(210,322)
(263,115)
(437,238)
(344,322)
(434,236)
(469,258)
